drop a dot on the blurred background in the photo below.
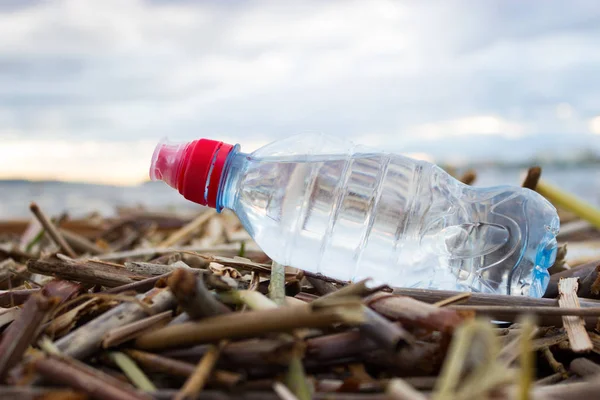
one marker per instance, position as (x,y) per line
(87,88)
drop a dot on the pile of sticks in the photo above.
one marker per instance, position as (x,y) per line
(153,307)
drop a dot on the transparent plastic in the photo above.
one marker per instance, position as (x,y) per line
(323,205)
(165,161)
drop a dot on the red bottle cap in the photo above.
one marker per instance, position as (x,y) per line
(194,168)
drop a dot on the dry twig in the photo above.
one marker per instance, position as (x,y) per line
(578,338)
(51,230)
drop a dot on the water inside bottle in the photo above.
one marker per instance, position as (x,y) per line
(383,216)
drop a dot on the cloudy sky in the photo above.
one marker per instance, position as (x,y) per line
(88,87)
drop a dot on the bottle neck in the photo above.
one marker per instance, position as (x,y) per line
(229,179)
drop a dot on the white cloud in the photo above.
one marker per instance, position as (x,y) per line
(595,125)
(83,161)
(473,125)
(131,70)
(564,111)
(114,162)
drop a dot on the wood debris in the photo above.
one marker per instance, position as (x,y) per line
(575,326)
(159,306)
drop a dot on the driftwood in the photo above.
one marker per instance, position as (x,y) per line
(170,307)
(81,377)
(575,326)
(234,325)
(413,312)
(387,334)
(28,324)
(481,299)
(589,281)
(87,339)
(51,230)
(11,298)
(85,272)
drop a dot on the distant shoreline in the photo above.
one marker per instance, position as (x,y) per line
(589,162)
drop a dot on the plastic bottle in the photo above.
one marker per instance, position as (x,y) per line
(324,205)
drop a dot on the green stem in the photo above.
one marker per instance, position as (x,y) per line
(253,299)
(295,379)
(567,201)
(277,284)
(133,372)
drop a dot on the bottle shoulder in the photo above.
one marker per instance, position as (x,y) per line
(302,145)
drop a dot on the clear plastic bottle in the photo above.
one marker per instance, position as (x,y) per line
(326,206)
